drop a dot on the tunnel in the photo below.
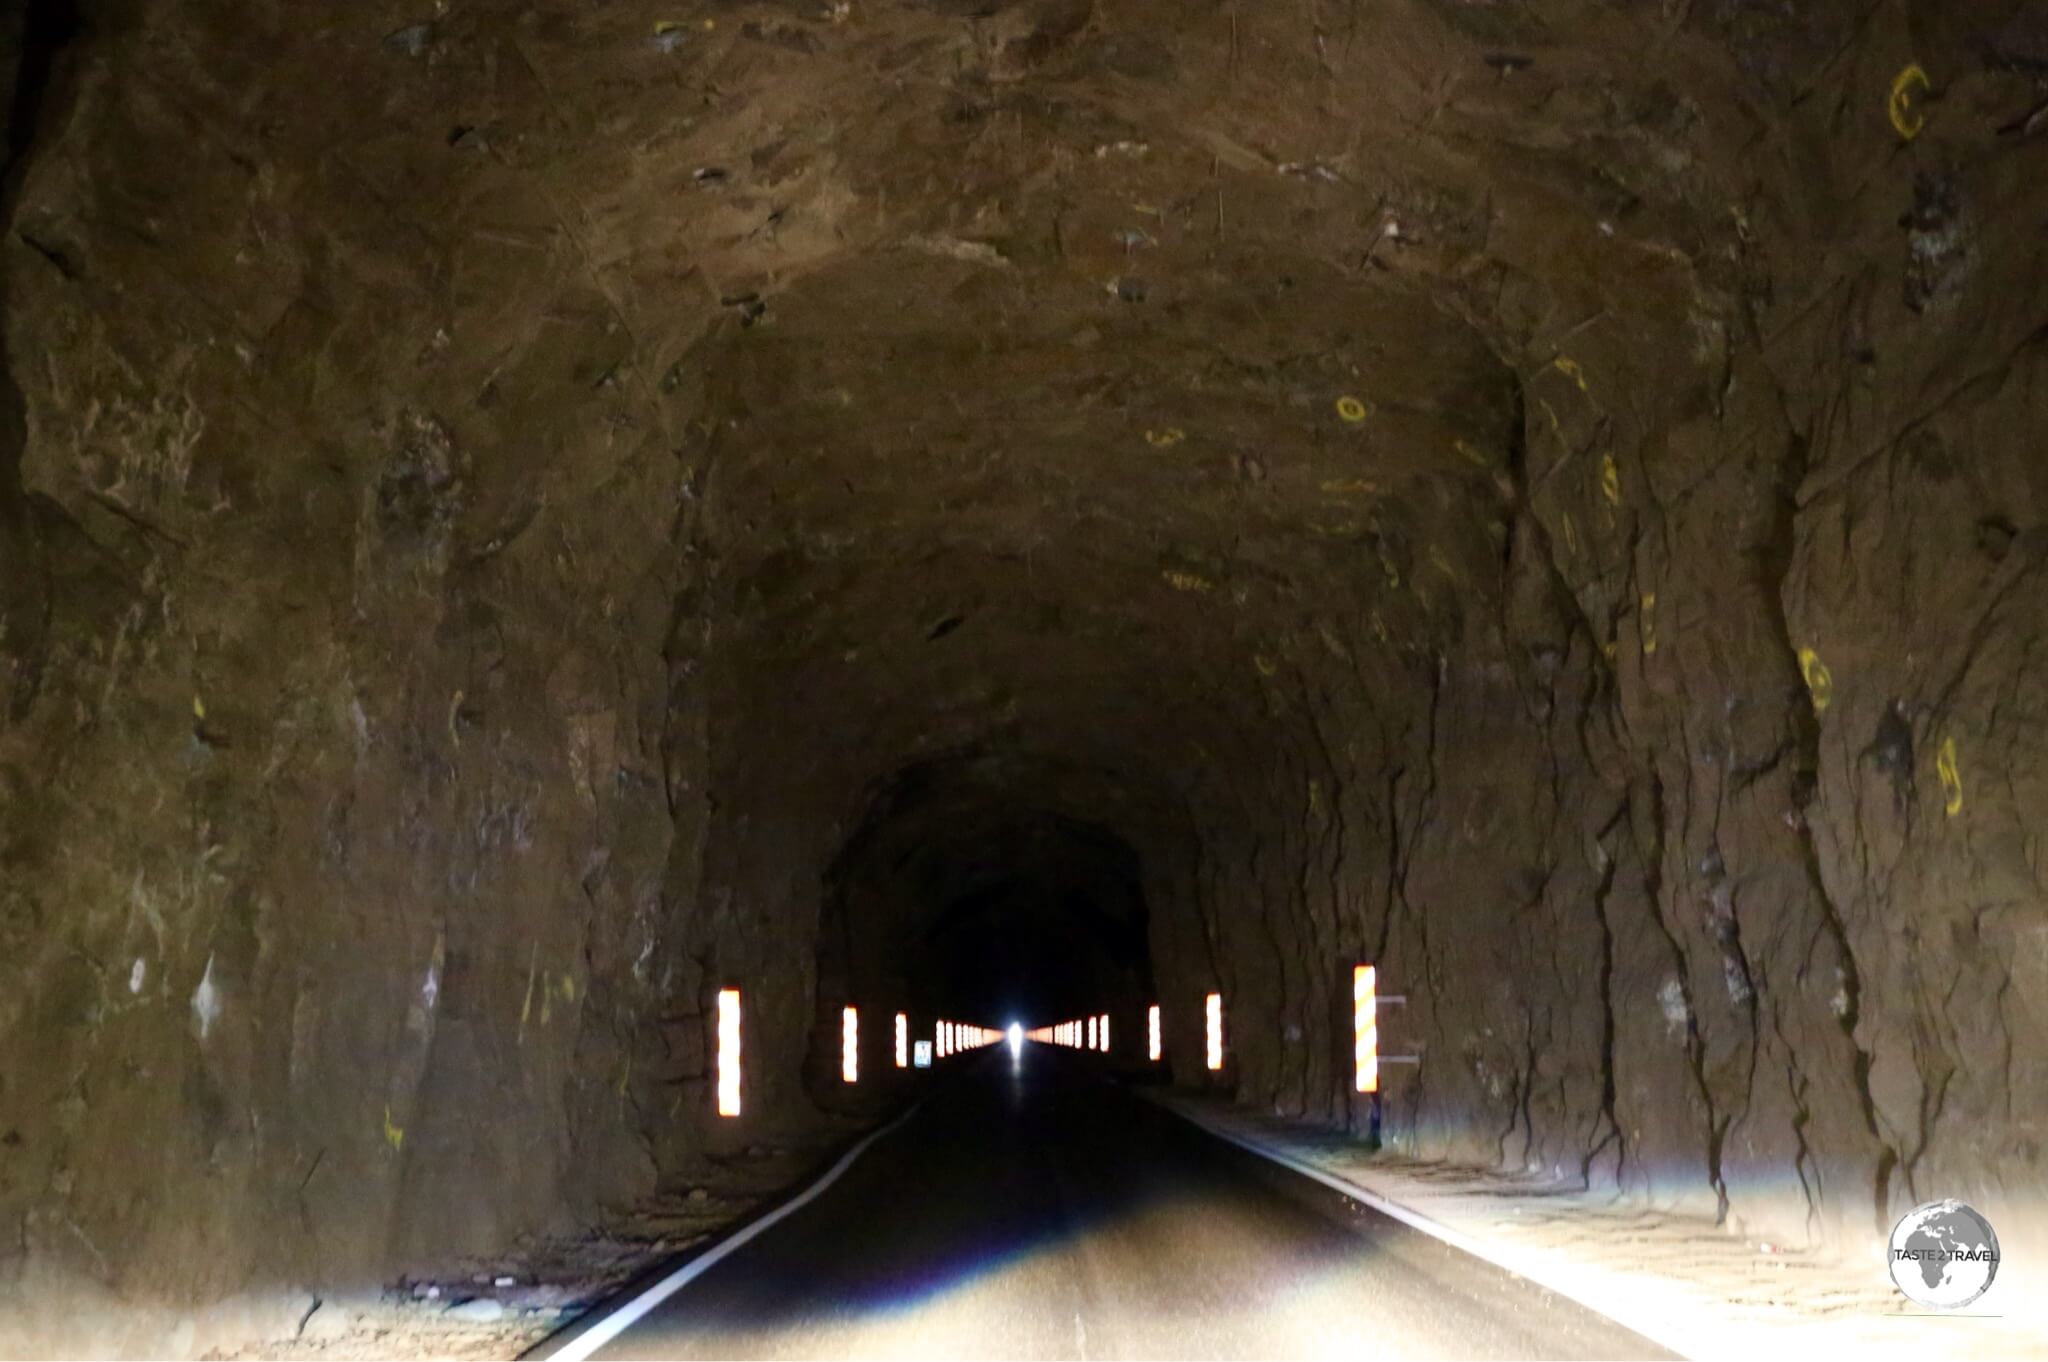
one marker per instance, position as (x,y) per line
(525,526)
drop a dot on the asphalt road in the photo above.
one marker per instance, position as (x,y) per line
(1033,1210)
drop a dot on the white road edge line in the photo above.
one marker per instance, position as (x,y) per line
(1651,1323)
(580,1348)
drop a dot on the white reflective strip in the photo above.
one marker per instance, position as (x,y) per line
(1213,1007)
(728,1052)
(1365,1028)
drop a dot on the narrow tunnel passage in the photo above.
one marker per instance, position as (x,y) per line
(563,567)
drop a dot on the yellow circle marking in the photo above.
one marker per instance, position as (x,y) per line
(1351,409)
(1946,766)
(1820,682)
(1163,439)
(1903,106)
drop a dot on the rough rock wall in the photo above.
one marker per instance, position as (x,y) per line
(347,683)
(1540,497)
(1710,873)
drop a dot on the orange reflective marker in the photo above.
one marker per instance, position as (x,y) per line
(1365,1027)
(728,1052)
(1213,1006)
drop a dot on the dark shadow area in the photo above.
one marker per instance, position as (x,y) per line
(964,898)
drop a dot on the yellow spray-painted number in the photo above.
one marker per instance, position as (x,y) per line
(1904,106)
(1951,777)
(393,1135)
(1649,622)
(1187,581)
(1569,367)
(1610,480)
(1351,409)
(1820,682)
(1165,439)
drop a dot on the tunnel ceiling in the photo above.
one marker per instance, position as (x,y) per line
(517,517)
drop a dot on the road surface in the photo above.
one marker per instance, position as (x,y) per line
(1030,1209)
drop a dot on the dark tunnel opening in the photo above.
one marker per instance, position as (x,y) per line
(544,545)
(959,897)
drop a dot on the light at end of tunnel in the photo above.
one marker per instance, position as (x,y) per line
(1366,1027)
(728,1052)
(1152,1033)
(902,1040)
(849,1045)
(1016,1040)
(1213,1008)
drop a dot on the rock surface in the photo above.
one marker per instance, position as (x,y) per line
(515,517)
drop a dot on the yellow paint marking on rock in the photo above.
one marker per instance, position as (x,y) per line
(393,1135)
(1610,479)
(1352,409)
(1165,439)
(1820,682)
(1379,627)
(1469,454)
(198,708)
(1904,108)
(1548,410)
(1265,664)
(1569,367)
(1951,775)
(1649,622)
(1348,486)
(1315,798)
(1611,648)
(568,988)
(1187,581)
(1571,532)
(662,26)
